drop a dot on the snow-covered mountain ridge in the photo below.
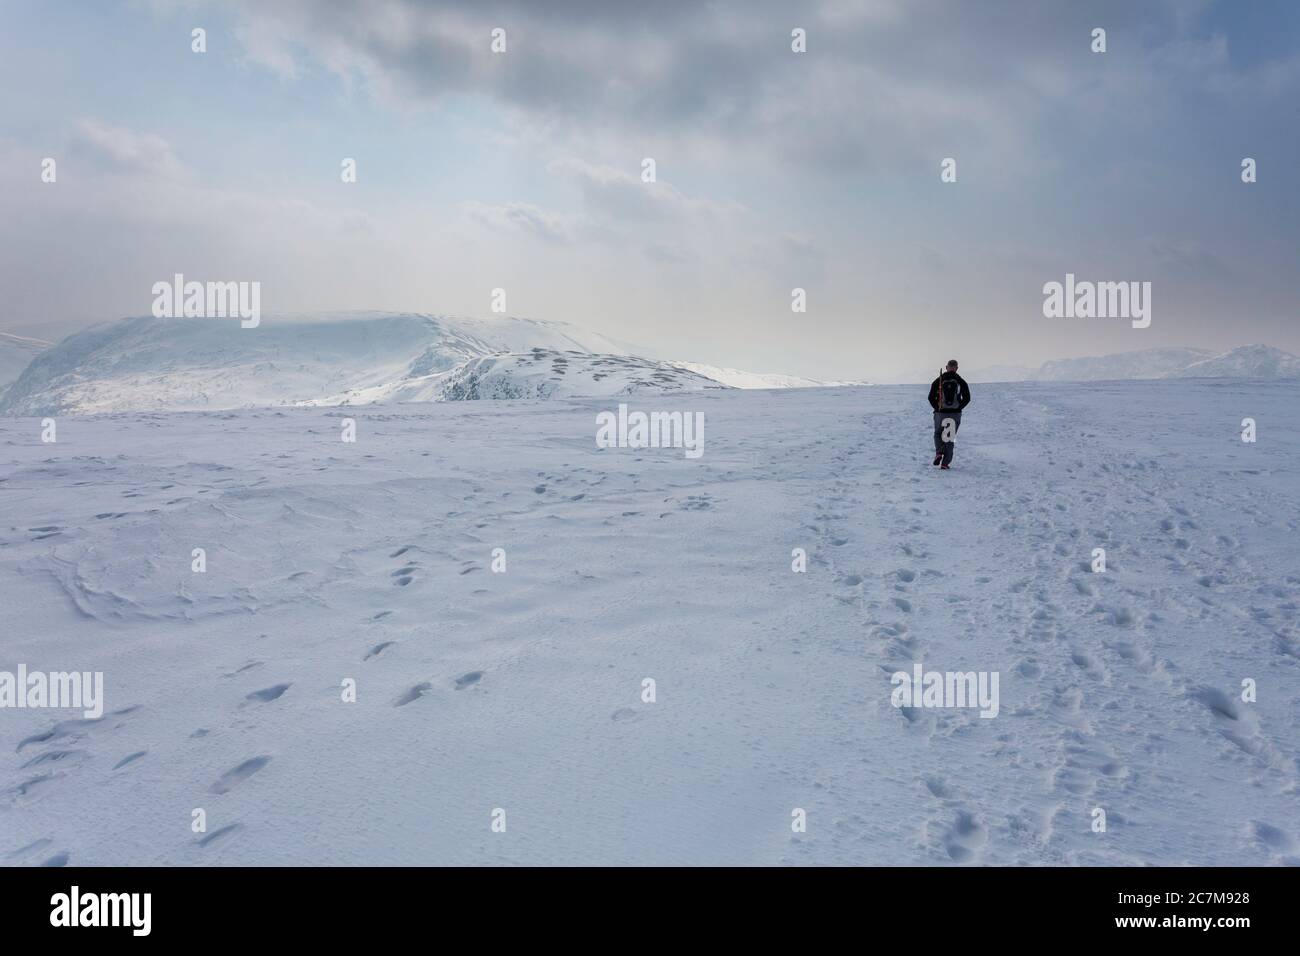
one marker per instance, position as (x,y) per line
(344,358)
(1247,361)
(16,353)
(360,358)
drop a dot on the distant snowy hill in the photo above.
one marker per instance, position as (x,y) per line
(736,378)
(1248,361)
(359,358)
(1147,363)
(537,373)
(16,353)
(345,358)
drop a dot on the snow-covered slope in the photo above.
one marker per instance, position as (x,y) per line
(16,353)
(1143,364)
(372,562)
(736,378)
(183,364)
(537,373)
(1249,361)
(196,364)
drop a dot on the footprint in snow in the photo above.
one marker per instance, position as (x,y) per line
(27,786)
(129,758)
(1217,702)
(1272,838)
(76,726)
(965,838)
(218,834)
(32,847)
(52,756)
(243,667)
(938,788)
(267,694)
(237,775)
(413,694)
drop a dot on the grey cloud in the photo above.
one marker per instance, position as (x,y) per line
(117,149)
(1187,258)
(883,83)
(623,196)
(523,218)
(669,253)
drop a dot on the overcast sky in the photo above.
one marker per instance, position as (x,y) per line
(775,169)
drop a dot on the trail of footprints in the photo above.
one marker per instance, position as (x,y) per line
(65,748)
(1104,611)
(955,829)
(67,744)
(1084,769)
(1063,660)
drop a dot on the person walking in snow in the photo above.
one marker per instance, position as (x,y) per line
(949,394)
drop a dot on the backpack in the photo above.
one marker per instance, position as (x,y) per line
(949,395)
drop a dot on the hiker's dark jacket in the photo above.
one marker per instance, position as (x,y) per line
(936,393)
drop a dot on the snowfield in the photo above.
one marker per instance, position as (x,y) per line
(523,691)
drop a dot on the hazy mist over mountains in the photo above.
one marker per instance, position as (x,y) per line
(1247,361)
(358,358)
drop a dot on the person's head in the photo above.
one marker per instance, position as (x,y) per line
(952,365)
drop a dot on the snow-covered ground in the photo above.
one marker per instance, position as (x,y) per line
(523,690)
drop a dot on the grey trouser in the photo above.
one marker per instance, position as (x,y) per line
(941,446)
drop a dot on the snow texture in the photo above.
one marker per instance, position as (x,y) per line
(522,690)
